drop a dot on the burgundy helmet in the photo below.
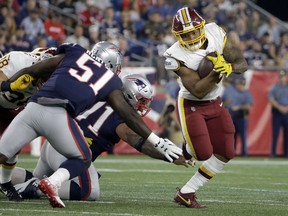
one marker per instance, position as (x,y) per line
(185,22)
(44,52)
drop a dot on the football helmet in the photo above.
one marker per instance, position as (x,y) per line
(44,52)
(138,92)
(185,22)
(110,54)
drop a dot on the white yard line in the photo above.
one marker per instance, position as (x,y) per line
(64,212)
(140,171)
(260,202)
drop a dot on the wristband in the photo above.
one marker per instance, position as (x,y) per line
(139,144)
(5,86)
(153,138)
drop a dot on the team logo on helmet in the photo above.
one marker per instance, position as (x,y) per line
(140,84)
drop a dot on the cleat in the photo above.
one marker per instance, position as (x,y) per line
(188,200)
(10,192)
(52,192)
(28,189)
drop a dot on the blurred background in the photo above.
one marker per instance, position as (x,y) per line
(142,30)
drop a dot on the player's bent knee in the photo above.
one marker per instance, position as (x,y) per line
(230,155)
(202,156)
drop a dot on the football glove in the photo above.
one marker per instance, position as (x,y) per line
(220,64)
(165,147)
(21,83)
(168,149)
(89,140)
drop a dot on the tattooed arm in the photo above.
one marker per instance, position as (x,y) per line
(234,55)
(137,142)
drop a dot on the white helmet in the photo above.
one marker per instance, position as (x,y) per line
(138,92)
(110,54)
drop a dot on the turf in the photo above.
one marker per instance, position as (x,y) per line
(140,186)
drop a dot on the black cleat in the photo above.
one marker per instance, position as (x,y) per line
(10,192)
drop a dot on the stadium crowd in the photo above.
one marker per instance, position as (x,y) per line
(26,24)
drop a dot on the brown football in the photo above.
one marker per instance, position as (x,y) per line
(206,66)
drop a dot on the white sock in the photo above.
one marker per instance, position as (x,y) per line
(6,169)
(206,171)
(59,176)
(18,175)
(64,191)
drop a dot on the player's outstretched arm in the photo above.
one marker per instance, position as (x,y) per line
(142,145)
(136,123)
(42,69)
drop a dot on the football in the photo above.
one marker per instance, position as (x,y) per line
(206,66)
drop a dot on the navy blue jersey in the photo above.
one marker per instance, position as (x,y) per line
(78,82)
(100,123)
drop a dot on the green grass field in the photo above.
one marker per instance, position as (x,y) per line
(141,186)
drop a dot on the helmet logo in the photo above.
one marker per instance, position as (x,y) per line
(140,84)
(116,50)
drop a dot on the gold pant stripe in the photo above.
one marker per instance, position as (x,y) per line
(184,125)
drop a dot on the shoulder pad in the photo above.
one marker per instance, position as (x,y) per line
(65,47)
(171,64)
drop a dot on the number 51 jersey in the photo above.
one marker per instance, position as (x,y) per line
(78,82)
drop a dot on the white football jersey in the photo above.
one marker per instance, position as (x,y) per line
(216,38)
(10,64)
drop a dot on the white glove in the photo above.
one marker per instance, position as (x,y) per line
(165,147)
(168,149)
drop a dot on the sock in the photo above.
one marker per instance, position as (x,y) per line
(67,170)
(20,175)
(59,176)
(70,190)
(206,171)
(7,168)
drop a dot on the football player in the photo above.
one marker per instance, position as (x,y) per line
(103,128)
(11,102)
(77,82)
(206,125)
